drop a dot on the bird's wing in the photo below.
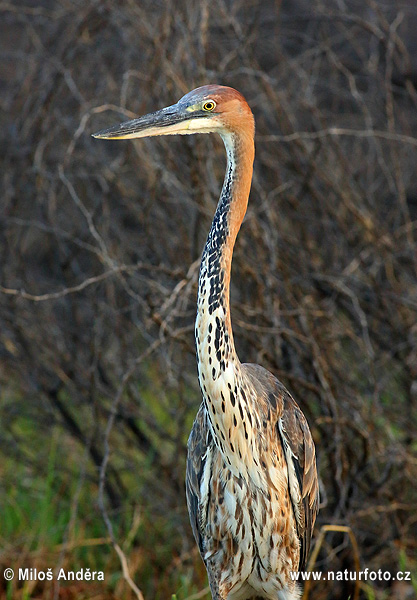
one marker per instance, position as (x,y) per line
(298,448)
(302,472)
(199,444)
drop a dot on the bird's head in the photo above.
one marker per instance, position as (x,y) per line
(207,109)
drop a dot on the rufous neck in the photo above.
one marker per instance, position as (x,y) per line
(214,281)
(240,151)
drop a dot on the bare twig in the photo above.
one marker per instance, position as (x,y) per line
(356,557)
(114,409)
(340,131)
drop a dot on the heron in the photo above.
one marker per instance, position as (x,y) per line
(251,477)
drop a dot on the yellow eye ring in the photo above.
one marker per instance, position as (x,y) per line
(210,105)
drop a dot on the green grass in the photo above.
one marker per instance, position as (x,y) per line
(51,486)
(406,564)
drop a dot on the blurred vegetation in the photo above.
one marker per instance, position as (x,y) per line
(99,251)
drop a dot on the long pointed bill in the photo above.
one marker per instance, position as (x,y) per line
(162,122)
(171,120)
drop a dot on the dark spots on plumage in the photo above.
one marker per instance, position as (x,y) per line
(202,376)
(222,365)
(217,426)
(209,339)
(223,438)
(210,327)
(213,372)
(229,386)
(246,433)
(239,452)
(241,412)
(272,399)
(249,416)
(221,394)
(243,394)
(235,546)
(213,409)
(218,355)
(221,499)
(251,521)
(223,407)
(232,398)
(282,512)
(265,424)
(213,263)
(234,420)
(210,361)
(232,448)
(263,463)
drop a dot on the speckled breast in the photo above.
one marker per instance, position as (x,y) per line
(249,539)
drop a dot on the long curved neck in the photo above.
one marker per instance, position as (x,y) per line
(214,337)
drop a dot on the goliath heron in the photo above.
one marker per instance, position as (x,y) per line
(251,481)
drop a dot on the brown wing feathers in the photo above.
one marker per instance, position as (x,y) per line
(298,438)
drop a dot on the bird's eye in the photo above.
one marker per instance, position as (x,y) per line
(210,105)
